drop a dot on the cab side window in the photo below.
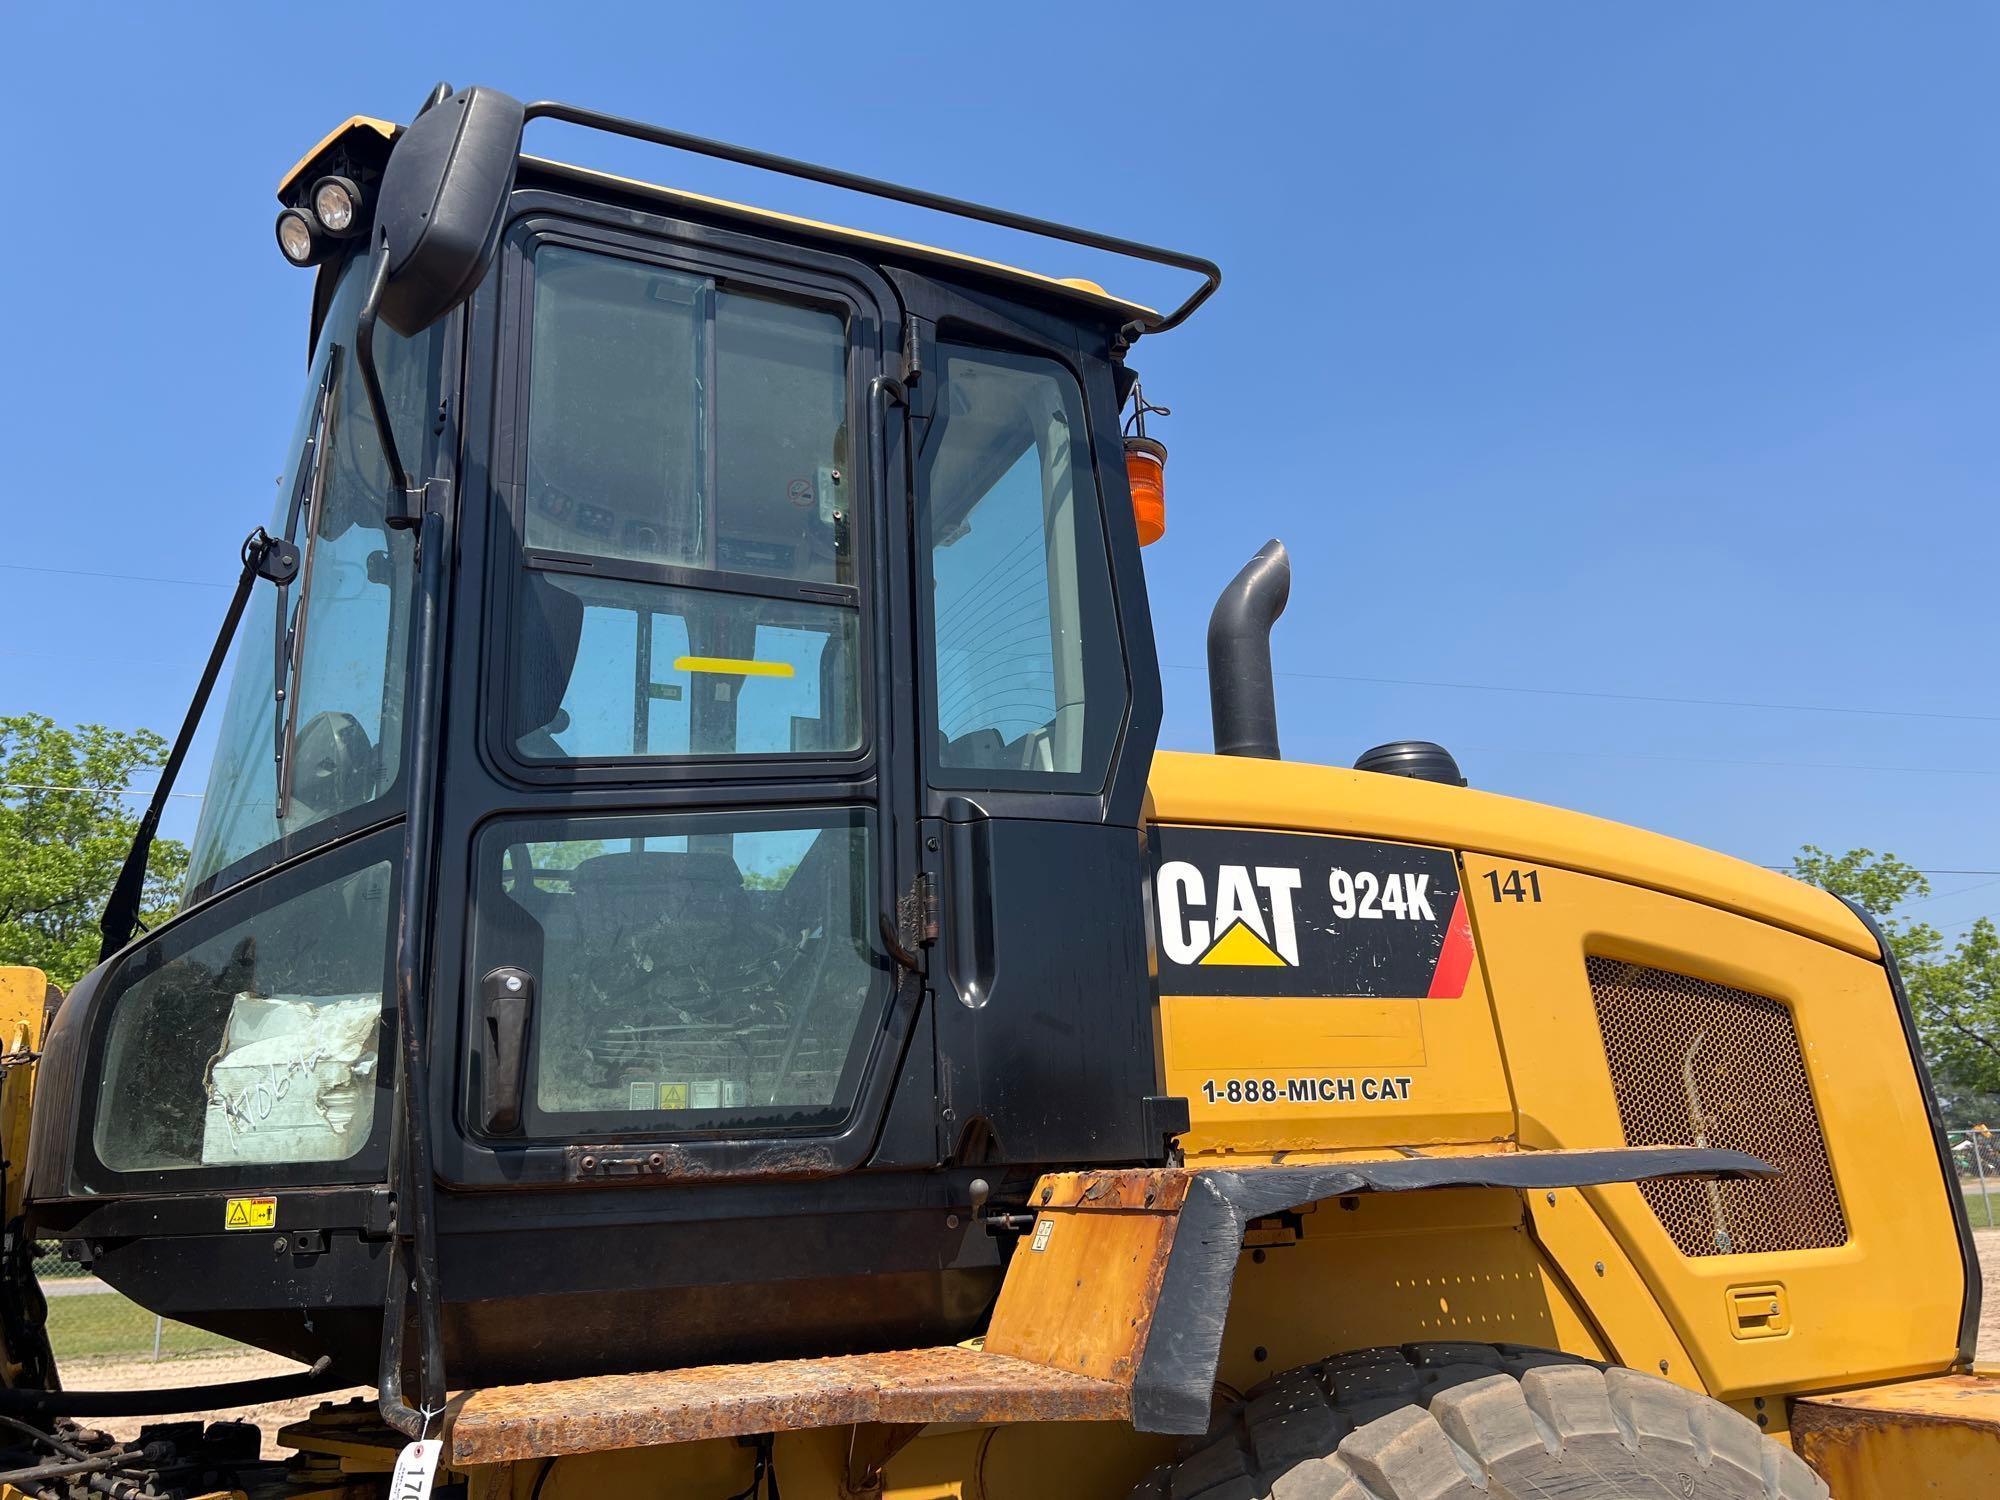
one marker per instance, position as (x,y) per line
(1027,684)
(696,971)
(689,582)
(249,1034)
(673,419)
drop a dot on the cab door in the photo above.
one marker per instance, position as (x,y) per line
(1039,704)
(673,783)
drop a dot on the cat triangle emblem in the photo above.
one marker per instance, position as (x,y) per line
(1239,947)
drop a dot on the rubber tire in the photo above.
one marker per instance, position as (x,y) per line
(1480,1422)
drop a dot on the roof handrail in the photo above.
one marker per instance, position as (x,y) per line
(659,135)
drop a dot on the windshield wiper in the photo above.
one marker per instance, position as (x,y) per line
(275,559)
(288,640)
(264,556)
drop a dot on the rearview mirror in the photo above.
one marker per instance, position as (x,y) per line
(442,201)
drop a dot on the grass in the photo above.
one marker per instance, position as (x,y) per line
(1984,1212)
(104,1325)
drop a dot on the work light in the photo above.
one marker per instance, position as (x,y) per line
(337,203)
(297,238)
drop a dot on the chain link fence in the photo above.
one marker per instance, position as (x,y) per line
(1976,1153)
(89,1323)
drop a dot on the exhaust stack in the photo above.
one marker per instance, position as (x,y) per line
(1240,695)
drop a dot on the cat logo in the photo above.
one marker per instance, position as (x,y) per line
(1273,914)
(1244,931)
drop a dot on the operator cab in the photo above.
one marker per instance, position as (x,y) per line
(675,826)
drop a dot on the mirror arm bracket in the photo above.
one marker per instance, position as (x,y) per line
(263,557)
(275,559)
(405,507)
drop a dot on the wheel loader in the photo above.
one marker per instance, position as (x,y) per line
(696,978)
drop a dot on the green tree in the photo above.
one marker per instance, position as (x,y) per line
(1955,993)
(1958,1007)
(64,830)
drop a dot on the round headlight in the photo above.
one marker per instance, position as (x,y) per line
(337,204)
(297,238)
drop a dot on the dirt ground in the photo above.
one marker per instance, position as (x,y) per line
(130,1375)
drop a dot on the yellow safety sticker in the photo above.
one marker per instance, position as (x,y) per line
(250,1213)
(734,666)
(673,1096)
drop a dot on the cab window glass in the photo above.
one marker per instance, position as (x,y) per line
(1026,682)
(689,438)
(337,745)
(250,1034)
(607,669)
(673,419)
(691,972)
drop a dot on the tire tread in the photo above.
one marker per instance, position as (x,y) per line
(1459,1421)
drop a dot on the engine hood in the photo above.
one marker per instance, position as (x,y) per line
(1233,791)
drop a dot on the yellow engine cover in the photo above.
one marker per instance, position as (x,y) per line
(1355,962)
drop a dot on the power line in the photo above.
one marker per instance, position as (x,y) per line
(1961,891)
(117,659)
(92,791)
(193,583)
(28,786)
(1494,687)
(1710,760)
(1419,682)
(1991,916)
(1922,870)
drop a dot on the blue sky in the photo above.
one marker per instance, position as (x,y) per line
(1586,356)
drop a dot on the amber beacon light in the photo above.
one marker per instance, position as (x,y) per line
(1146,470)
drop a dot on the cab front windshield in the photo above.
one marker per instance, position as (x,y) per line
(310,738)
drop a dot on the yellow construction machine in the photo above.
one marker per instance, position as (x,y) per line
(695,978)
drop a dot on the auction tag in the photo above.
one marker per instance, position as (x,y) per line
(416,1470)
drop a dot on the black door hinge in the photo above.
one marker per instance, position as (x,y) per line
(920,910)
(916,923)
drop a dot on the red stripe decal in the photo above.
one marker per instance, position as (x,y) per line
(1455,958)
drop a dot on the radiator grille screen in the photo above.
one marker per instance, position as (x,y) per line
(1694,1063)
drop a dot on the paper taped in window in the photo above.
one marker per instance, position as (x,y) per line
(294,1080)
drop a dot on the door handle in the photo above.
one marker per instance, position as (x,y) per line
(973,961)
(506,997)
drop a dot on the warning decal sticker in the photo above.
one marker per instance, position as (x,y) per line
(1239,912)
(250,1213)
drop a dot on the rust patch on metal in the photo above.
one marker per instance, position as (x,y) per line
(1940,1435)
(1950,1398)
(1161,1191)
(615,1162)
(912,1386)
(1081,1290)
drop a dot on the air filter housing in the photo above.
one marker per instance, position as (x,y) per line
(1420,760)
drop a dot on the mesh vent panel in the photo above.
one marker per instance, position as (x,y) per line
(1694,1063)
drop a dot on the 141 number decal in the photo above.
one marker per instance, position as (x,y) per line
(1520,885)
